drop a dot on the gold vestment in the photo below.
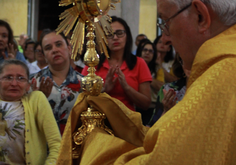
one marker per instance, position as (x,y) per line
(199,130)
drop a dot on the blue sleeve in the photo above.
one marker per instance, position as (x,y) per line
(20,56)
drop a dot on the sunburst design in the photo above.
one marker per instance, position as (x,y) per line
(83,12)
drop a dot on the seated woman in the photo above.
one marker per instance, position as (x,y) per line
(40,62)
(173,92)
(148,53)
(8,48)
(126,76)
(29,52)
(59,81)
(27,121)
(165,58)
(139,47)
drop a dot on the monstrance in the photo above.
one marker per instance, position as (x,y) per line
(93,14)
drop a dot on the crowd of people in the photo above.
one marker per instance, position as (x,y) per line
(173,84)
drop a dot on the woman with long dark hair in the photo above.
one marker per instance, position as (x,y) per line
(8,48)
(126,76)
(147,51)
(165,58)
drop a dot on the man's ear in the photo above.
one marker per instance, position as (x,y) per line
(204,18)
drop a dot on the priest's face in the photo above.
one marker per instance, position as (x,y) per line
(179,29)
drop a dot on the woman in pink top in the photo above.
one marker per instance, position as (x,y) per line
(126,76)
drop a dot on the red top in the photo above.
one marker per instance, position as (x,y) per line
(139,74)
(78,68)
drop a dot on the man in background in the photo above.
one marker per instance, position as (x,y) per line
(137,41)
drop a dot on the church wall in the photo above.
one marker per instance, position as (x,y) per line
(15,13)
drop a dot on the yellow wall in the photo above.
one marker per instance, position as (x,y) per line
(147,18)
(15,13)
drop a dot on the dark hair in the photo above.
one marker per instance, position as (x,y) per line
(139,48)
(36,45)
(152,63)
(14,62)
(48,31)
(128,57)
(28,43)
(177,67)
(141,35)
(10,32)
(169,55)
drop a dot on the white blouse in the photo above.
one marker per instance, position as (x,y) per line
(12,138)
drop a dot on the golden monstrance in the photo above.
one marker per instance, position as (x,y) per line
(90,14)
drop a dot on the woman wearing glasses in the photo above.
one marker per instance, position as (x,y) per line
(40,62)
(27,121)
(149,54)
(126,76)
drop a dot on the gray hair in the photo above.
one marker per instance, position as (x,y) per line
(14,62)
(225,9)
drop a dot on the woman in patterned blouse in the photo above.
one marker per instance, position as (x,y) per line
(59,82)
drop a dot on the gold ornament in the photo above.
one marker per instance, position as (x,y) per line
(84,12)
(93,14)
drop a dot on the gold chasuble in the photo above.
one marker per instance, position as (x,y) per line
(199,130)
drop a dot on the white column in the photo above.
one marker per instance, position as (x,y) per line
(34,19)
(116,12)
(129,11)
